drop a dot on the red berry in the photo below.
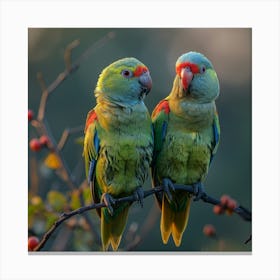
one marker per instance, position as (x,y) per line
(217,209)
(33,241)
(225,199)
(209,230)
(44,140)
(232,204)
(35,145)
(30,115)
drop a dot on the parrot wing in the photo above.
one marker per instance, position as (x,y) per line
(216,135)
(160,122)
(91,152)
(160,118)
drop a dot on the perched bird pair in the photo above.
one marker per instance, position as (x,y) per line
(122,141)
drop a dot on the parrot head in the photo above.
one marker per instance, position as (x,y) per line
(125,82)
(197,77)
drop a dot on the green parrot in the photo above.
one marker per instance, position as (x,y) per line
(187,133)
(118,143)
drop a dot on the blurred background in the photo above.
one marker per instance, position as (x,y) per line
(230,51)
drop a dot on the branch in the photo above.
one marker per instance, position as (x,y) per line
(70,68)
(63,170)
(66,133)
(145,228)
(240,210)
(41,124)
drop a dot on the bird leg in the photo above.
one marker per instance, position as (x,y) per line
(139,195)
(168,187)
(198,191)
(109,201)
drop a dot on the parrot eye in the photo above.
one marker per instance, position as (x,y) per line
(127,73)
(202,69)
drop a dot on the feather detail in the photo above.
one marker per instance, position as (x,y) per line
(216,135)
(162,106)
(112,227)
(91,117)
(118,142)
(187,134)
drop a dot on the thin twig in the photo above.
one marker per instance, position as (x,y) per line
(65,135)
(145,228)
(88,219)
(41,124)
(249,239)
(63,170)
(69,69)
(241,211)
(68,54)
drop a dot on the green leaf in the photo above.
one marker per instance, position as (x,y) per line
(51,218)
(57,200)
(35,205)
(87,196)
(80,141)
(75,200)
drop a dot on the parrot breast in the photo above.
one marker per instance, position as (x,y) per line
(187,143)
(189,154)
(126,149)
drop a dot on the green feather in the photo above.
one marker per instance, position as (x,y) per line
(189,143)
(123,126)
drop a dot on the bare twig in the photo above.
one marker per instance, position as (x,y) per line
(145,228)
(68,54)
(249,239)
(62,171)
(41,124)
(65,135)
(241,211)
(41,81)
(70,68)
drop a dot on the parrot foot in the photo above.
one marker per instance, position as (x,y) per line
(109,201)
(168,187)
(198,190)
(139,195)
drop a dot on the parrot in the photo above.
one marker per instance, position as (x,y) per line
(118,143)
(186,135)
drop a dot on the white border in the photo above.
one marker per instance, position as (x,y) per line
(262,16)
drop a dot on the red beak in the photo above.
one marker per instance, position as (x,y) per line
(186,77)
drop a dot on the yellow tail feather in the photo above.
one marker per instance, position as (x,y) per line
(173,222)
(112,229)
(166,221)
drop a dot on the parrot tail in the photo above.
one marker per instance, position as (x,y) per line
(112,227)
(174,219)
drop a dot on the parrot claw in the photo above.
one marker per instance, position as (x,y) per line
(198,190)
(139,195)
(168,187)
(109,201)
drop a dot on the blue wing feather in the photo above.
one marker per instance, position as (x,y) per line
(92,165)
(163,130)
(216,136)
